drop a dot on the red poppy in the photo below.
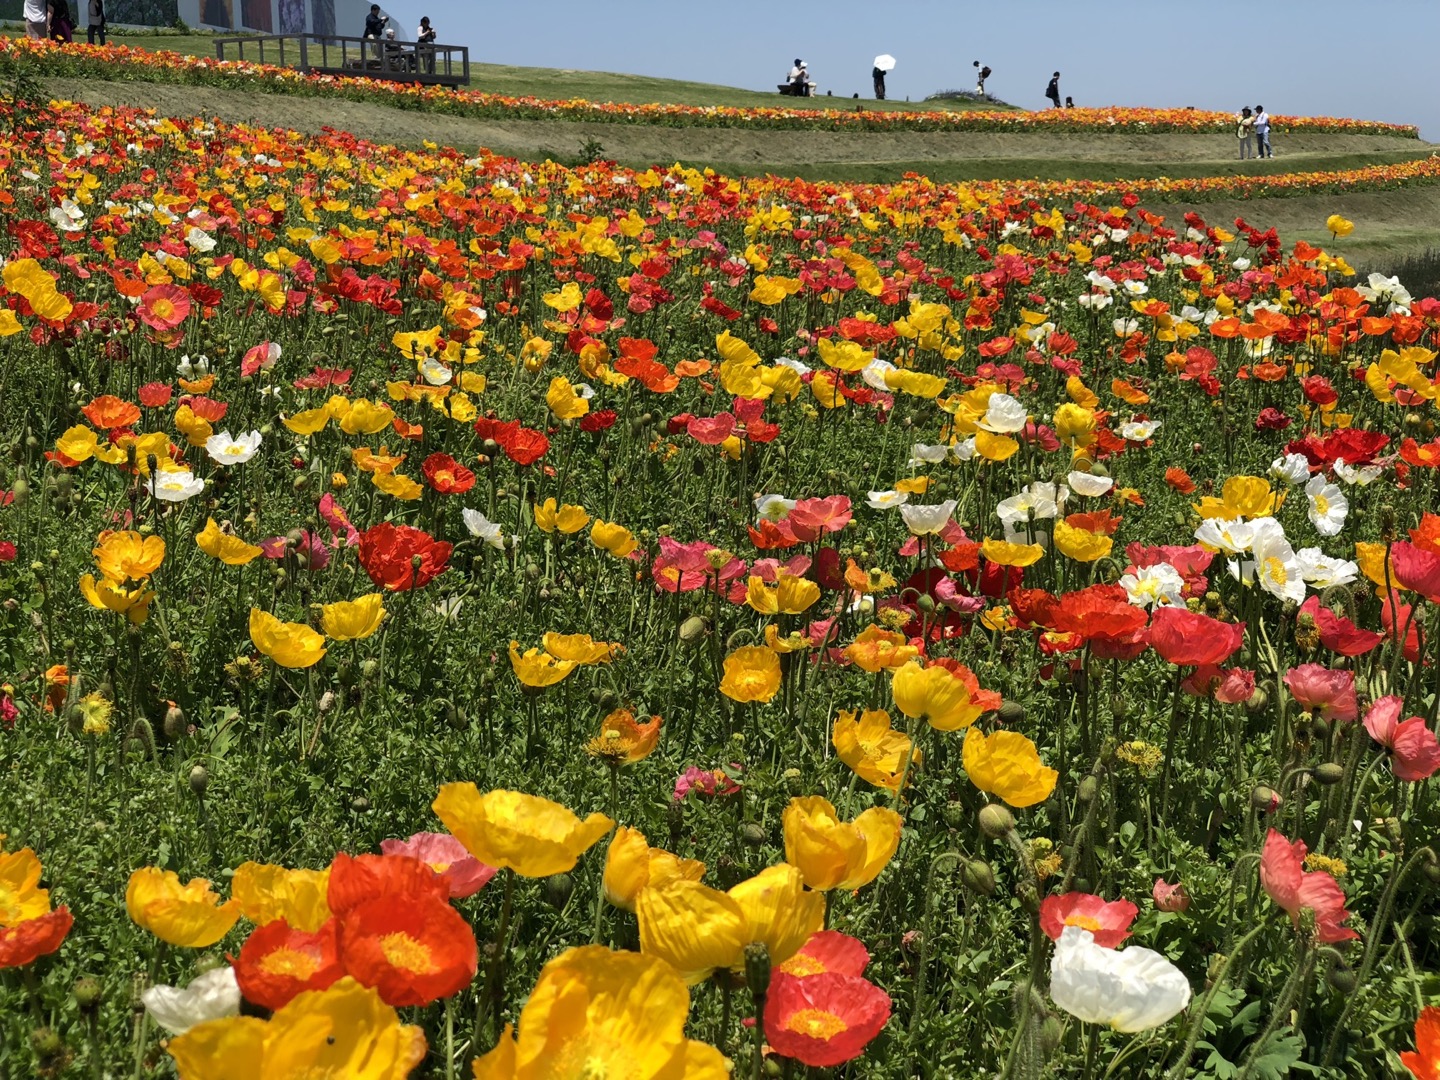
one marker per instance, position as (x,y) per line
(26,942)
(1417,569)
(1399,618)
(827,950)
(155,395)
(598,421)
(389,554)
(1108,920)
(1179,480)
(1284,878)
(1187,637)
(164,307)
(1415,752)
(1337,633)
(359,879)
(277,962)
(526,446)
(446,475)
(1103,617)
(109,412)
(412,953)
(1356,445)
(823,1020)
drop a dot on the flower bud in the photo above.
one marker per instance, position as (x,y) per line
(1328,773)
(360,804)
(1051,1032)
(1012,712)
(46,1043)
(693,629)
(1265,799)
(757,968)
(1029,897)
(1089,788)
(558,888)
(996,821)
(199,780)
(88,993)
(1257,701)
(174,723)
(752,834)
(1342,978)
(1393,830)
(977,876)
(954,814)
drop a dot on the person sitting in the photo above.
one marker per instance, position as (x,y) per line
(396,58)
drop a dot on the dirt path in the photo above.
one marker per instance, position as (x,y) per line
(651,144)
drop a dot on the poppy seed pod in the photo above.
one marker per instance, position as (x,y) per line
(199,780)
(174,723)
(757,968)
(558,888)
(89,993)
(1012,712)
(996,821)
(977,876)
(752,834)
(46,1043)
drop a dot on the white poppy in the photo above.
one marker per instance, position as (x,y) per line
(1321,571)
(874,374)
(193,368)
(1359,475)
(1224,534)
(1126,327)
(1276,568)
(773,507)
(964,450)
(797,366)
(1382,288)
(199,240)
(1100,281)
(1128,990)
(927,520)
(1135,288)
(1328,506)
(1035,503)
(1154,586)
(483,528)
(922,453)
(886,500)
(1090,485)
(175,486)
(1259,348)
(1095,301)
(435,372)
(1004,415)
(1139,430)
(212,996)
(1292,468)
(225,449)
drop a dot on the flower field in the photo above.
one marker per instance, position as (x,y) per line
(473,618)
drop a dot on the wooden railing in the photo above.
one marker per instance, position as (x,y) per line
(375,58)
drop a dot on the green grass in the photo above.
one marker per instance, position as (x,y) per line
(564,83)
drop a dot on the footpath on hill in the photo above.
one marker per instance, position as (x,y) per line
(641,144)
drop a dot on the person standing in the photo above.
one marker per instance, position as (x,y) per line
(375,28)
(878,75)
(62,25)
(95,27)
(425,36)
(1053,91)
(981,74)
(37,19)
(1262,133)
(1245,132)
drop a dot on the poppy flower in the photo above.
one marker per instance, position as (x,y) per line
(623,740)
(1415,753)
(277,962)
(939,696)
(579,1016)
(1229,686)
(191,915)
(1417,569)
(291,645)
(705,781)
(343,1030)
(752,673)
(1108,921)
(873,750)
(25,940)
(1189,638)
(1293,888)
(401,878)
(401,557)
(823,1020)
(1127,990)
(1169,897)
(266,893)
(1424,1060)
(827,950)
(525,833)
(835,854)
(211,996)
(1324,691)
(566,518)
(1007,765)
(227,547)
(612,537)
(463,874)
(631,864)
(412,953)
(447,476)
(1337,633)
(876,648)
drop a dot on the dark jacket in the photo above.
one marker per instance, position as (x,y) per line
(97,11)
(375,25)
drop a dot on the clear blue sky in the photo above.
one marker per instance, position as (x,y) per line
(1370,60)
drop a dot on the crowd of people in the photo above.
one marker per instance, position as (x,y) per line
(53,19)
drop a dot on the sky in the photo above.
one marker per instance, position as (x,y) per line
(1371,61)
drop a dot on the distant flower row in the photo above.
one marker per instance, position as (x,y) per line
(134,63)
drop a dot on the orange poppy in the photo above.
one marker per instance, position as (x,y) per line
(358,879)
(108,411)
(1096,521)
(411,953)
(277,962)
(1179,480)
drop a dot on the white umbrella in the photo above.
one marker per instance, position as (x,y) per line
(885,62)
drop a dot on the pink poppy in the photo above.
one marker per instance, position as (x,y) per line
(462,873)
(809,518)
(1170,897)
(259,358)
(1323,690)
(1415,752)
(1108,920)
(1399,618)
(1337,633)
(1229,686)
(711,430)
(705,781)
(1284,878)
(164,307)
(1417,569)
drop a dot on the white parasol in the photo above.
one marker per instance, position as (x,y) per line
(885,62)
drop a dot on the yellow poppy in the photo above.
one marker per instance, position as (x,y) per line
(106,595)
(752,673)
(344,1030)
(790,594)
(1081,544)
(1339,226)
(871,747)
(228,548)
(564,402)
(1241,497)
(1374,564)
(191,915)
(579,648)
(616,539)
(1007,765)
(1074,425)
(835,854)
(397,485)
(594,1012)
(537,668)
(567,519)
(530,835)
(876,648)
(353,620)
(697,929)
(308,422)
(21,898)
(366,418)
(936,695)
(77,443)
(623,740)
(265,892)
(993,447)
(631,864)
(1004,553)
(128,555)
(291,645)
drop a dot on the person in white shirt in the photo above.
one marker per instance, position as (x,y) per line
(1262,133)
(37,19)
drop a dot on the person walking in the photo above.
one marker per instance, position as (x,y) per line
(425,36)
(1245,132)
(1053,90)
(1262,133)
(878,75)
(37,19)
(95,26)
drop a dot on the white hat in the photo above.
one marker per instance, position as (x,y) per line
(802,63)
